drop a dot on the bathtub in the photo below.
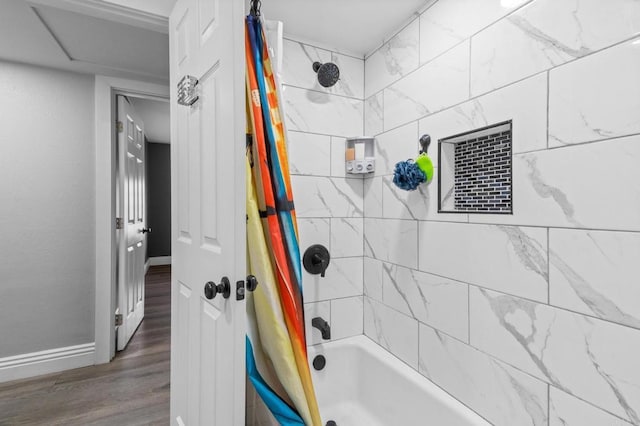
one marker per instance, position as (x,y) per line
(363,384)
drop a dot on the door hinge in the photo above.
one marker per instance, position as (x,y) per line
(119,126)
(119,223)
(118,319)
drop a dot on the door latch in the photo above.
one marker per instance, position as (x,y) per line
(252,284)
(119,320)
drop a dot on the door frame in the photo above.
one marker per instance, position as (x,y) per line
(106,89)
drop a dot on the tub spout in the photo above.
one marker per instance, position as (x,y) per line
(323,326)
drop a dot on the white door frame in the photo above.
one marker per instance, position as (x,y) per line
(106,89)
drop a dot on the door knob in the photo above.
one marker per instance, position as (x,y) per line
(252,282)
(211,289)
(145,230)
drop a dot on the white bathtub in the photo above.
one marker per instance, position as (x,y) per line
(363,384)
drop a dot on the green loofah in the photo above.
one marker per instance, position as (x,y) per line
(426,165)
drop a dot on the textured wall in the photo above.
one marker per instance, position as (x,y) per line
(47,212)
(531,318)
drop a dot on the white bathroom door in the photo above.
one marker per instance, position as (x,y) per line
(132,239)
(208,214)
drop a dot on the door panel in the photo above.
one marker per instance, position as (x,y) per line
(132,242)
(208,241)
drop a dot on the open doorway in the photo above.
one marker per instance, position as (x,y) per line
(142,190)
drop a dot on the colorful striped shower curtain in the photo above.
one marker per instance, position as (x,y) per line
(277,363)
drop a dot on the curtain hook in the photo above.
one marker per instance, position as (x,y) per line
(255,7)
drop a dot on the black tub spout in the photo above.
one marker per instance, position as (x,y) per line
(323,326)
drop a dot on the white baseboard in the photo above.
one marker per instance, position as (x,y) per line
(45,362)
(146,266)
(160,260)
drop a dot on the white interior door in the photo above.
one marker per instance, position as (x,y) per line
(132,240)
(208,214)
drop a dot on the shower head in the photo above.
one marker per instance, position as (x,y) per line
(328,73)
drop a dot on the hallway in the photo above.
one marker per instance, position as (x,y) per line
(131,390)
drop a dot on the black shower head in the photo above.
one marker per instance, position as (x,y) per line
(328,73)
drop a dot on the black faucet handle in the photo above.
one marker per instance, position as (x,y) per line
(316,259)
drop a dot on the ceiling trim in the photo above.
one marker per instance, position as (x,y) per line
(110,11)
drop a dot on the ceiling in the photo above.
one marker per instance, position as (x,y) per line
(155,116)
(87,36)
(351,26)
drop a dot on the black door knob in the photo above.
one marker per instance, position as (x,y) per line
(252,282)
(224,288)
(145,230)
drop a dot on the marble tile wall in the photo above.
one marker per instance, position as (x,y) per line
(329,204)
(531,318)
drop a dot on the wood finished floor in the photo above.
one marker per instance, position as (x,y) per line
(131,390)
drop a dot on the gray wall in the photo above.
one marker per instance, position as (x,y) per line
(159,199)
(47,231)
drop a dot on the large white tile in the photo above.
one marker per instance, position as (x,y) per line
(351,82)
(312,310)
(373,116)
(373,197)
(545,34)
(581,186)
(436,301)
(448,22)
(309,154)
(525,103)
(337,157)
(313,231)
(327,197)
(437,85)
(566,410)
(421,204)
(347,237)
(343,278)
(297,64)
(392,240)
(392,330)
(596,272)
(318,112)
(396,58)
(373,278)
(298,69)
(498,392)
(396,145)
(597,97)
(346,317)
(592,359)
(504,258)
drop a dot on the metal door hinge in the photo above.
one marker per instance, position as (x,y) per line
(119,126)
(118,319)
(119,223)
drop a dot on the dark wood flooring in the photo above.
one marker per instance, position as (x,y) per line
(131,390)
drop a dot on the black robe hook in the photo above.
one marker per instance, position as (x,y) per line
(425,141)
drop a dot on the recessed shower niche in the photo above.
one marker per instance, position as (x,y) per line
(475,174)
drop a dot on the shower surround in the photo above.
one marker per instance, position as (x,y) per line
(530,318)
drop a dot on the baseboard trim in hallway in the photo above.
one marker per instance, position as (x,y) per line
(45,362)
(132,390)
